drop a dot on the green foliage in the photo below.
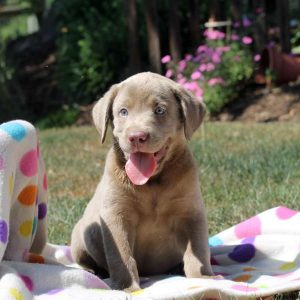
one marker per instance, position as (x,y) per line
(90,55)
(65,116)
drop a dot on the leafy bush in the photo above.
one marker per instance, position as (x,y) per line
(217,71)
(89,56)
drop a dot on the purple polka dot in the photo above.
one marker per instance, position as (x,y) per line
(242,253)
(248,228)
(3,231)
(28,282)
(29,163)
(2,165)
(284,213)
(93,281)
(250,240)
(42,210)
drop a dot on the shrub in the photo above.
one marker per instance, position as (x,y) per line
(89,56)
(217,71)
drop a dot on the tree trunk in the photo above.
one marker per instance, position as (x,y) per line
(260,31)
(194,23)
(174,31)
(132,40)
(283,14)
(153,35)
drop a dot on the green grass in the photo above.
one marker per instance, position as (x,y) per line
(244,169)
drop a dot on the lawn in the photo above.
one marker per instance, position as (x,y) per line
(244,169)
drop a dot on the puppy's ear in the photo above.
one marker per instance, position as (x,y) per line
(192,110)
(102,111)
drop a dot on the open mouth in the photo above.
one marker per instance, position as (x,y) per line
(140,166)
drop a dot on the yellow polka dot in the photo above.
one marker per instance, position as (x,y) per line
(242,278)
(135,293)
(16,294)
(262,286)
(26,228)
(288,266)
(11,184)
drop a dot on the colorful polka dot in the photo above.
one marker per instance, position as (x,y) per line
(249,269)
(55,291)
(242,253)
(248,228)
(139,292)
(45,183)
(2,165)
(15,130)
(244,288)
(42,210)
(11,184)
(3,231)
(288,266)
(15,294)
(29,163)
(284,213)
(215,241)
(242,278)
(35,258)
(28,282)
(28,195)
(26,228)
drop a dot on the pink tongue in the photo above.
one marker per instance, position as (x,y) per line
(140,167)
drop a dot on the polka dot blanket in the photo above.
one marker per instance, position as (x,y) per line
(256,258)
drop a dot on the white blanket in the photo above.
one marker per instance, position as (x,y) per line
(258,257)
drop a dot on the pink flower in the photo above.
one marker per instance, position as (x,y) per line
(216,58)
(196,75)
(236,24)
(234,37)
(246,22)
(188,57)
(247,40)
(202,68)
(201,48)
(182,65)
(257,57)
(169,73)
(181,81)
(210,67)
(194,87)
(166,59)
(215,80)
(214,34)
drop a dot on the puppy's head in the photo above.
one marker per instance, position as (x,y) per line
(149,115)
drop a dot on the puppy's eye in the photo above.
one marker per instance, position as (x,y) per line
(123,112)
(160,110)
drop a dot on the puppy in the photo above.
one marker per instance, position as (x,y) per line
(146,215)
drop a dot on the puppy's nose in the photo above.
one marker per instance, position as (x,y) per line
(138,137)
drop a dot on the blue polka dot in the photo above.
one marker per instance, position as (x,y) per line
(215,241)
(14,129)
(242,253)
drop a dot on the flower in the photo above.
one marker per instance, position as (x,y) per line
(214,34)
(215,81)
(196,75)
(234,37)
(188,57)
(247,40)
(236,24)
(210,67)
(201,48)
(216,58)
(246,22)
(169,73)
(194,87)
(182,65)
(257,57)
(202,68)
(166,59)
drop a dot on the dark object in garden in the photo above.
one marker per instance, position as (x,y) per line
(277,66)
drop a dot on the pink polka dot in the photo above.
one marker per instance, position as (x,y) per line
(248,228)
(284,213)
(244,288)
(45,183)
(29,163)
(2,165)
(28,282)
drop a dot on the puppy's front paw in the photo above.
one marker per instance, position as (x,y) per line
(133,288)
